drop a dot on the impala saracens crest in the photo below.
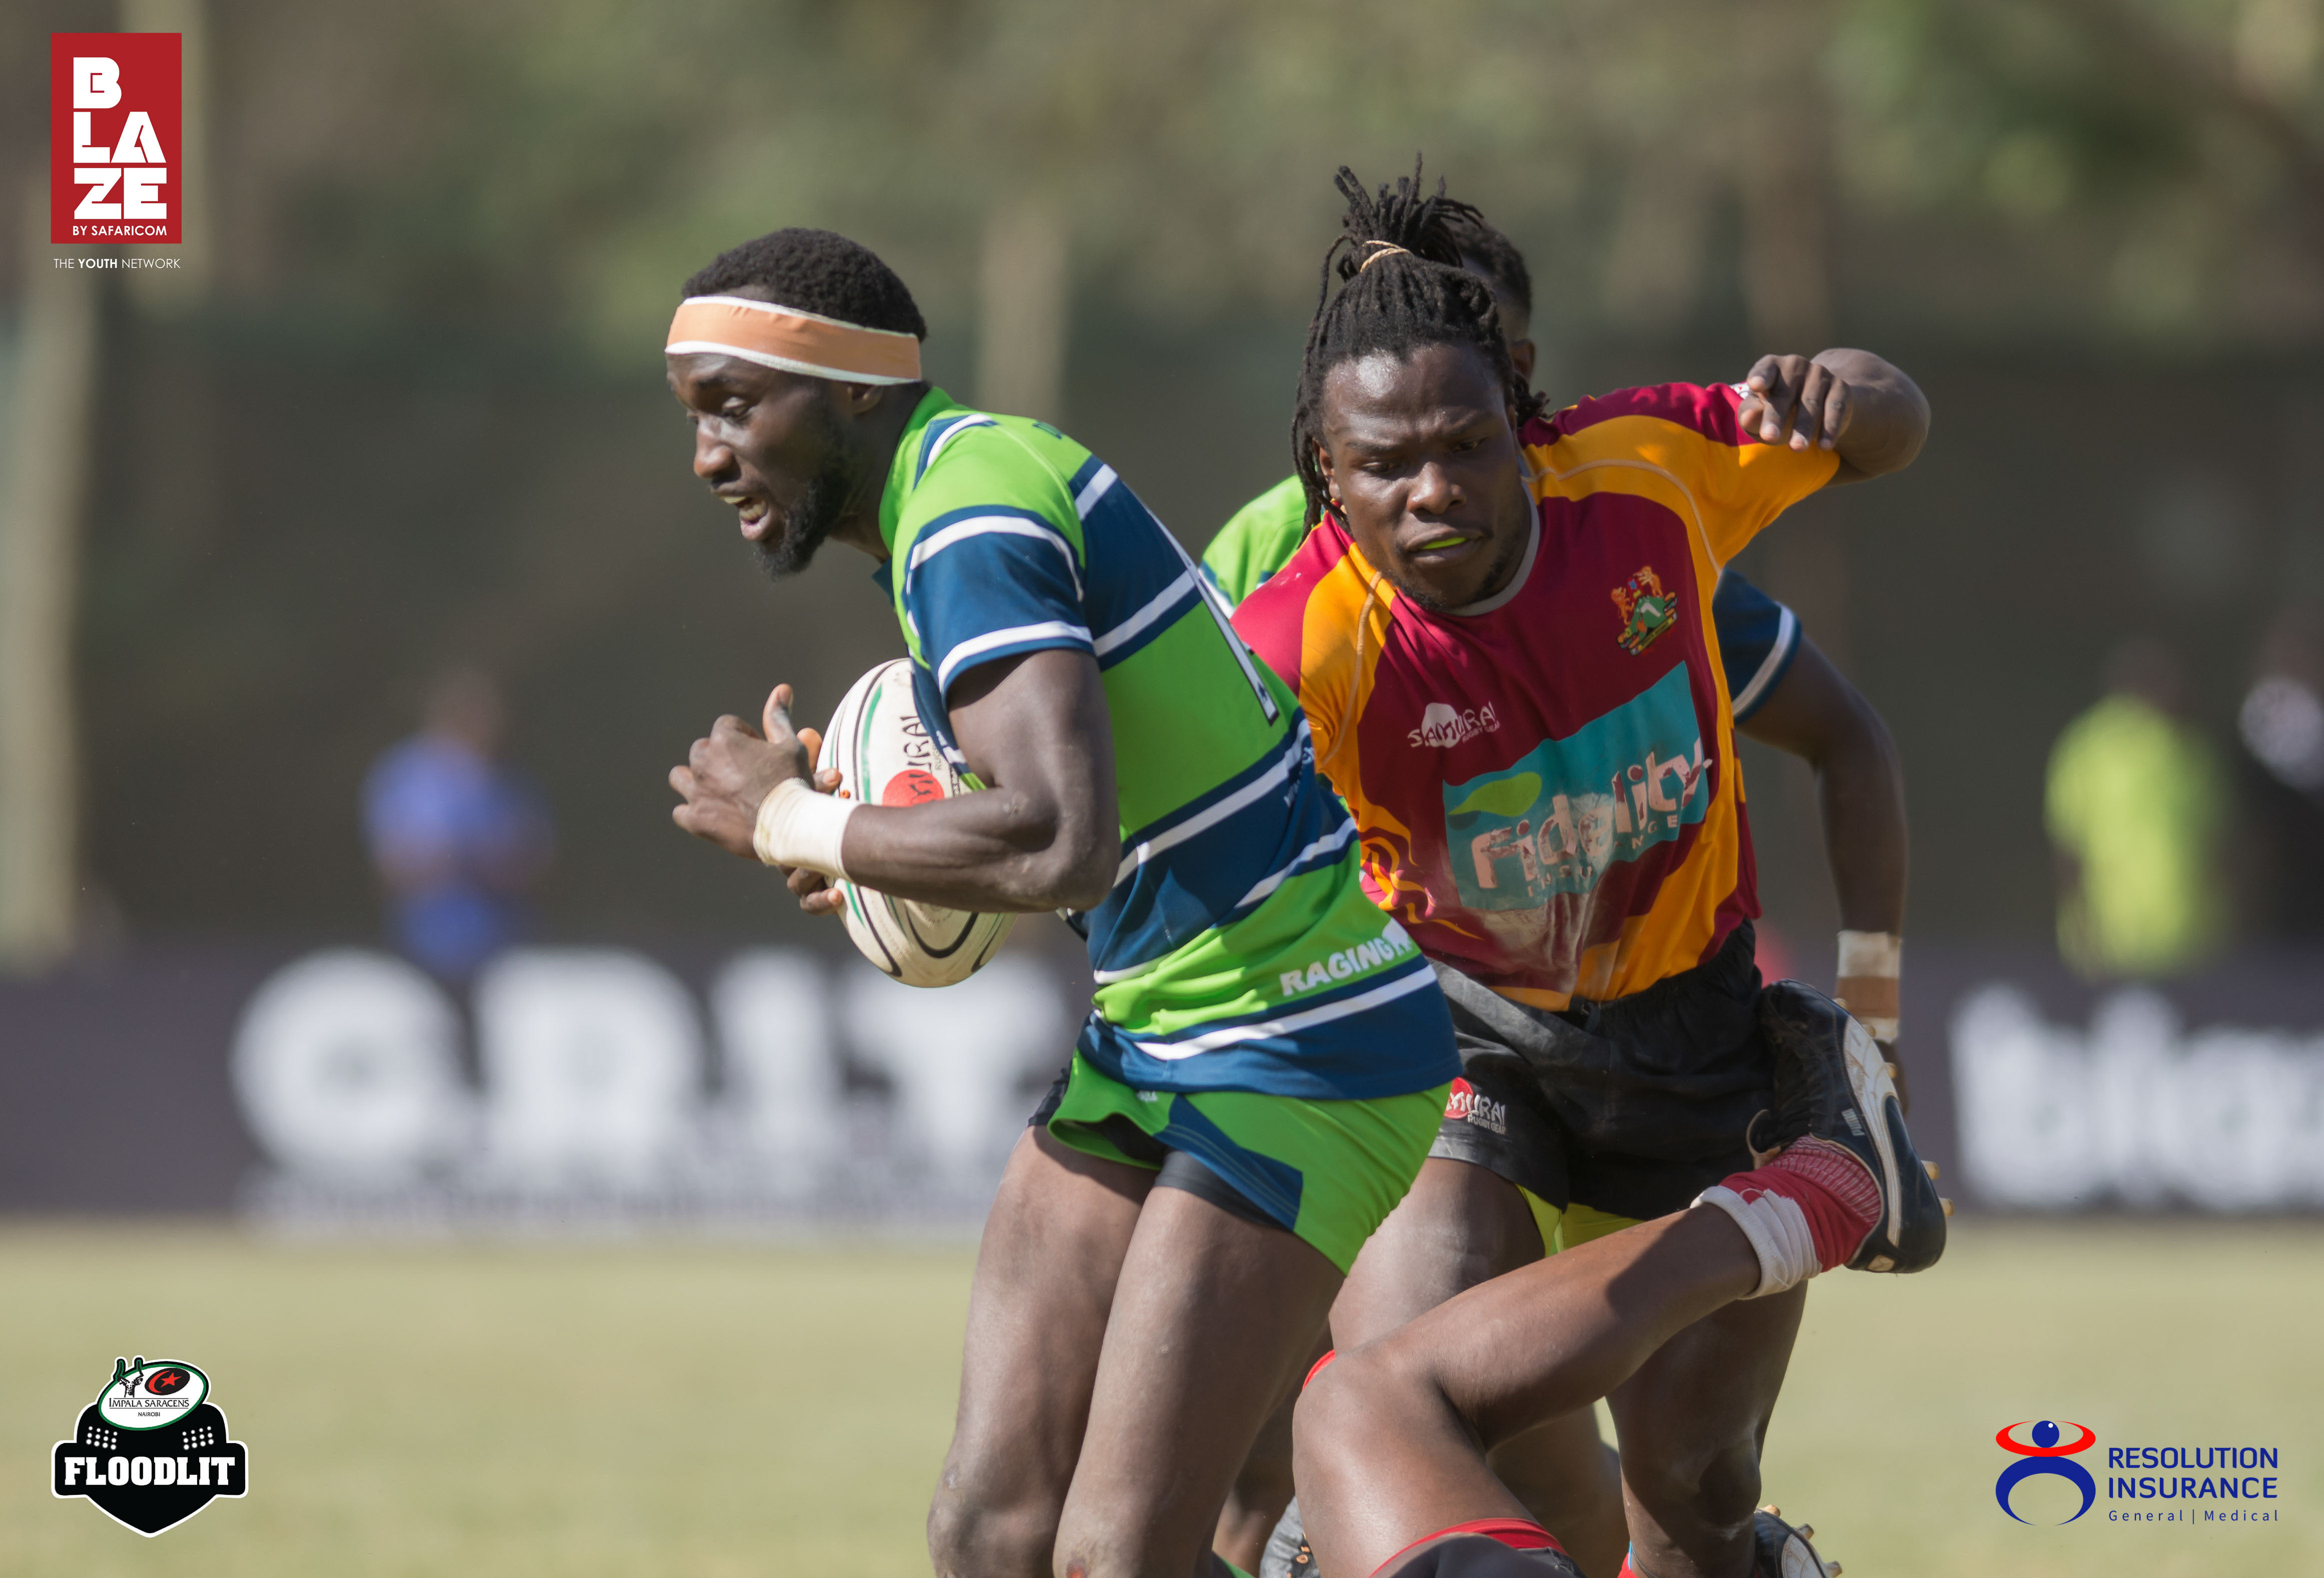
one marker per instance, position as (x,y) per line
(1647,609)
(152,1451)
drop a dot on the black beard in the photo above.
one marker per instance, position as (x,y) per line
(819,512)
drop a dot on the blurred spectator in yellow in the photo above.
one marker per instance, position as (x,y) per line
(2136,804)
(455,835)
(2282,726)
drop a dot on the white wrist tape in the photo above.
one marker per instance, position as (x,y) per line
(799,827)
(1871,953)
(1878,955)
(1778,1230)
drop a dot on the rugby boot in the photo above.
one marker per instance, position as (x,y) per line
(1783,1551)
(1833,1085)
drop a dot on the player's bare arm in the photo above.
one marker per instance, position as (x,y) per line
(1816,714)
(1040,837)
(1861,407)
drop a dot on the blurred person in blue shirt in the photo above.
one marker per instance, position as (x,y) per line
(455,835)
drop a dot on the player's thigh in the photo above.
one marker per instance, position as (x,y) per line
(1045,1272)
(1214,1316)
(1460,1225)
(1691,1419)
(1561,1460)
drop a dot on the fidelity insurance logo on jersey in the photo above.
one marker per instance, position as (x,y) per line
(2232,1485)
(152,1451)
(115,169)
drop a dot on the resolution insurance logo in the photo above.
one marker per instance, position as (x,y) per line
(2044,1454)
(114,148)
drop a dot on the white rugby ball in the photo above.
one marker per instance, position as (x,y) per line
(886,757)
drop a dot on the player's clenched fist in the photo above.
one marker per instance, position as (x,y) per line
(1793,396)
(730,772)
(1849,402)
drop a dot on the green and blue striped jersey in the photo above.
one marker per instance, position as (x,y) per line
(1236,950)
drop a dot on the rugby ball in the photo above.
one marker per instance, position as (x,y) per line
(886,757)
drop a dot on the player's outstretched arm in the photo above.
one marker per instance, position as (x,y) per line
(1816,714)
(1860,406)
(1045,834)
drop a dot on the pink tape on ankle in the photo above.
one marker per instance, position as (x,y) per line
(1831,1189)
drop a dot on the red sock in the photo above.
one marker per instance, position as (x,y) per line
(1829,1185)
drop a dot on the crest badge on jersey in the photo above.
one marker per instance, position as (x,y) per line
(1647,611)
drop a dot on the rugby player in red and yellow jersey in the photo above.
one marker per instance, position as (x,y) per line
(1500,635)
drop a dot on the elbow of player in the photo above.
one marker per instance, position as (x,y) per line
(1896,442)
(1077,878)
(1063,866)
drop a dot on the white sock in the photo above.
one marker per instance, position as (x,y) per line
(1778,1230)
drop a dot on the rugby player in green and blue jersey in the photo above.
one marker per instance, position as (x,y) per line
(1267,1057)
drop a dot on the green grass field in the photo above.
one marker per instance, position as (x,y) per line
(697,1407)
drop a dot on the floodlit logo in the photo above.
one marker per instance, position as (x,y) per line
(2045,1455)
(115,162)
(152,1451)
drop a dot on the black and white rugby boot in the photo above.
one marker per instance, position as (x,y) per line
(1832,1085)
(1783,1551)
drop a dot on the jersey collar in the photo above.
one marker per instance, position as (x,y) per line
(934,404)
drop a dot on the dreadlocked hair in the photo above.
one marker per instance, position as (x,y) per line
(1486,251)
(1402,288)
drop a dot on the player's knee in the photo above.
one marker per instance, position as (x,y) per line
(1706,1484)
(1358,1394)
(1123,1542)
(969,1539)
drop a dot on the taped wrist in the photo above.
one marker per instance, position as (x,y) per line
(1876,955)
(799,827)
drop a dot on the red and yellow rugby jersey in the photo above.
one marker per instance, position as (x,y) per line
(1545,782)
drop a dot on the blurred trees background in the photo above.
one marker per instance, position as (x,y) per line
(2085,170)
(414,415)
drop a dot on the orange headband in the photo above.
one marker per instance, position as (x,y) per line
(792,341)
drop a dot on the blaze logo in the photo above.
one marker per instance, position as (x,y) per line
(114,150)
(2045,1456)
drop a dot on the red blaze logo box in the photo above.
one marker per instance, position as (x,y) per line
(114,146)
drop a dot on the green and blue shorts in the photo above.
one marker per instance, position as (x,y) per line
(1327,1171)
